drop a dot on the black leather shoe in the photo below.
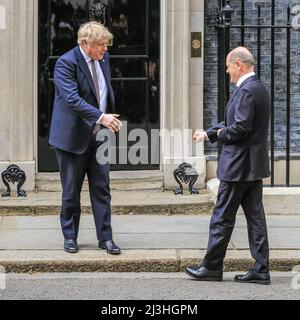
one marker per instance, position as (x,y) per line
(109,246)
(70,246)
(254,277)
(203,274)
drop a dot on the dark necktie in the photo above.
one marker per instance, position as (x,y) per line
(233,94)
(229,101)
(96,84)
(234,90)
(95,80)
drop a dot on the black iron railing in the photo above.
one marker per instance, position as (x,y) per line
(225,27)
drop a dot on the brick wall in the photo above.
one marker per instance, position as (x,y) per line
(211,65)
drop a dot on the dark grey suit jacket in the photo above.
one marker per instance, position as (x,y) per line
(244,155)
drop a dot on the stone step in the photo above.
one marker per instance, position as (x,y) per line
(120,180)
(123,202)
(277,200)
(149,243)
(133,261)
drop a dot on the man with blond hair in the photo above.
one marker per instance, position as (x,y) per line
(243,163)
(84,104)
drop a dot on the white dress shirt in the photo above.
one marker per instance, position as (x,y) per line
(101,81)
(244,78)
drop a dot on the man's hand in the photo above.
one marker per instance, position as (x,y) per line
(112,122)
(219,131)
(199,136)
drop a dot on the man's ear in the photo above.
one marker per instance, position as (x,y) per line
(239,64)
(84,43)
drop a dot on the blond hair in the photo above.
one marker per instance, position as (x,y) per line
(93,31)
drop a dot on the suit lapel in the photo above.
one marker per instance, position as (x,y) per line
(252,78)
(85,70)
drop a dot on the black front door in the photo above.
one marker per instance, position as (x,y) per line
(135,58)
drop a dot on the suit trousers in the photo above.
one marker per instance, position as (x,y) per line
(73,169)
(230,196)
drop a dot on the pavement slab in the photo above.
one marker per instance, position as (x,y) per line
(142,232)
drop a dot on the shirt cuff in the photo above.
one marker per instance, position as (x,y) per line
(100,119)
(206,136)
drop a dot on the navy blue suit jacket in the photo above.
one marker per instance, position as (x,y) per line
(244,135)
(76,109)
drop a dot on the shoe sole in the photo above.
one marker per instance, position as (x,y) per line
(113,253)
(71,251)
(203,279)
(263,282)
